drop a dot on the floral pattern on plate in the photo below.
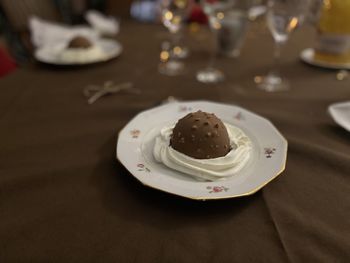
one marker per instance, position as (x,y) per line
(185,108)
(269,152)
(142,168)
(135,133)
(217,189)
(239,116)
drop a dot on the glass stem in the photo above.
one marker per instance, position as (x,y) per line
(276,59)
(175,40)
(214,52)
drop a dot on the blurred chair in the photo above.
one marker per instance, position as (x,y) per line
(14,17)
(73,10)
(7,65)
(118,8)
(18,12)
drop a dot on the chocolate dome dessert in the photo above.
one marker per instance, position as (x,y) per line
(200,135)
(79,42)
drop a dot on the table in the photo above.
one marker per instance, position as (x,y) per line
(65,198)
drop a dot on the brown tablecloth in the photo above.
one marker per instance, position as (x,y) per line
(64,197)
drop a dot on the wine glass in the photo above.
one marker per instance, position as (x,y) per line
(215,10)
(173,14)
(283,17)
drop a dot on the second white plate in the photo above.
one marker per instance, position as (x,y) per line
(110,48)
(340,113)
(308,56)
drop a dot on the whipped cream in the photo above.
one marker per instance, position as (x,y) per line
(205,169)
(81,55)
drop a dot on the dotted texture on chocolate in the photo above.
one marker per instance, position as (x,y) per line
(200,135)
(79,42)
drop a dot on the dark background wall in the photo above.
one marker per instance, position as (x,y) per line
(119,7)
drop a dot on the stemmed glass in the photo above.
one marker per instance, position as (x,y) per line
(215,10)
(283,17)
(173,14)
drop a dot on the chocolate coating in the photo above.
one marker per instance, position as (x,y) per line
(200,135)
(79,42)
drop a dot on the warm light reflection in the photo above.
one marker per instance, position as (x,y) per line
(164,56)
(177,50)
(257,79)
(176,20)
(168,15)
(220,15)
(293,24)
(327,4)
(180,3)
(216,25)
(342,74)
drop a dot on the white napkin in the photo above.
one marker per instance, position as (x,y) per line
(101,23)
(340,112)
(45,33)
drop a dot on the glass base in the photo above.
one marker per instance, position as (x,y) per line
(272,83)
(231,54)
(171,68)
(210,75)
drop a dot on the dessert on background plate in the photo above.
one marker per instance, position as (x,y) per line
(81,50)
(202,146)
(61,54)
(63,45)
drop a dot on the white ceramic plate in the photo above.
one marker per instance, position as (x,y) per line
(136,141)
(110,48)
(308,56)
(340,113)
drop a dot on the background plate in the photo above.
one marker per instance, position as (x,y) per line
(307,55)
(111,49)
